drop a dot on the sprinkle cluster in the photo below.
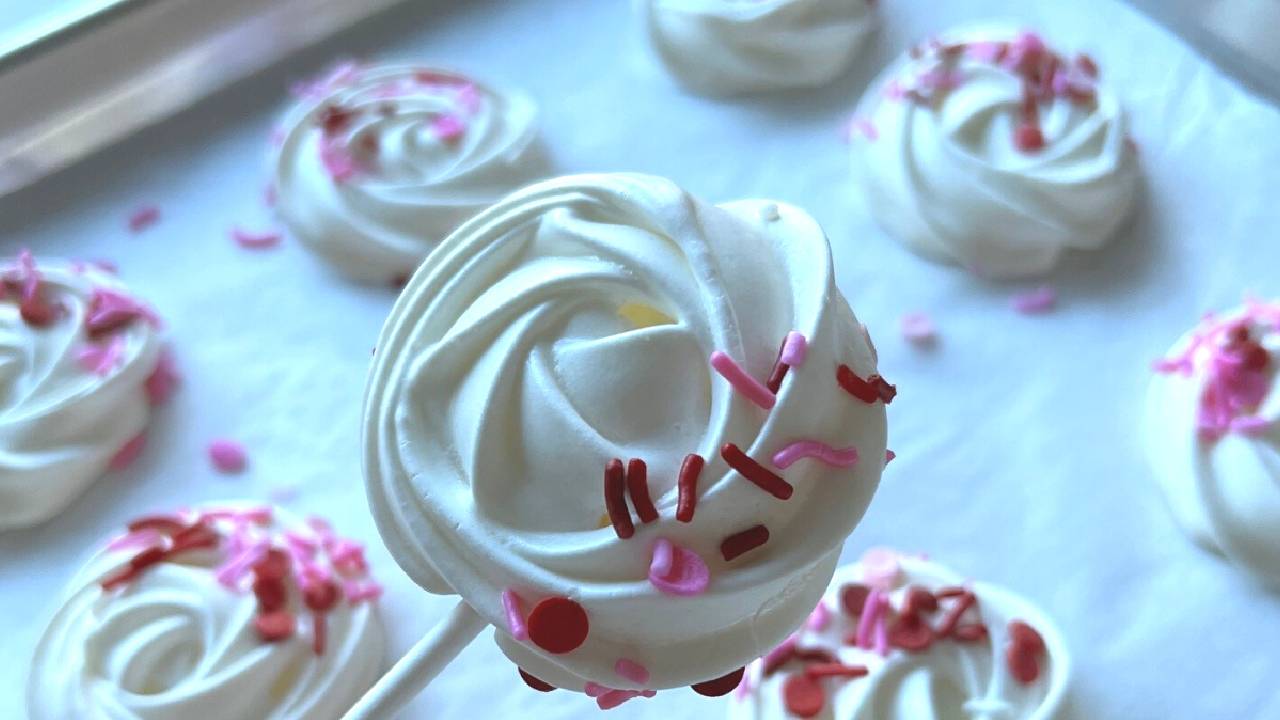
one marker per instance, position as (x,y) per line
(919,619)
(1044,75)
(335,120)
(1238,369)
(307,569)
(559,625)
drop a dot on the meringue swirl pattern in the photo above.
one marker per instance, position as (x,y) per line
(377,164)
(1212,436)
(171,622)
(569,328)
(734,46)
(76,353)
(940,646)
(985,148)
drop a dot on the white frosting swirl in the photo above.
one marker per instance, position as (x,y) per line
(174,643)
(377,164)
(950,679)
(1224,490)
(734,46)
(938,162)
(508,375)
(61,422)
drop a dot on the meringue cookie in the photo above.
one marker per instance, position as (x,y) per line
(191,635)
(377,164)
(1004,660)
(735,46)
(574,323)
(1212,438)
(76,353)
(986,149)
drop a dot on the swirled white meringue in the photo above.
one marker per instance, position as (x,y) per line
(1224,491)
(417,152)
(61,423)
(948,680)
(175,644)
(943,174)
(735,46)
(510,371)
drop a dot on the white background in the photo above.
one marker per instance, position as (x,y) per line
(1018,460)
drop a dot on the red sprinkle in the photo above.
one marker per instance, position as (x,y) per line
(967,600)
(1023,634)
(638,489)
(162,523)
(803,696)
(814,655)
(722,685)
(1028,138)
(972,632)
(615,499)
(836,669)
(275,626)
(779,371)
(195,537)
(853,598)
(320,633)
(764,478)
(271,593)
(742,542)
(910,633)
(535,683)
(143,218)
(919,600)
(274,565)
(869,390)
(1024,652)
(687,485)
(558,625)
(322,596)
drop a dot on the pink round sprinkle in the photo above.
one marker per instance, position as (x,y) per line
(678,571)
(631,670)
(880,568)
(228,456)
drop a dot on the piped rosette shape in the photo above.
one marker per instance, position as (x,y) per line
(580,420)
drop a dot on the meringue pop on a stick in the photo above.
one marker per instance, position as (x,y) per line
(630,429)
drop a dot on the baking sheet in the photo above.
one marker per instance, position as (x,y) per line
(1018,460)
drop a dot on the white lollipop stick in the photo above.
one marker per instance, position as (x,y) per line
(420,665)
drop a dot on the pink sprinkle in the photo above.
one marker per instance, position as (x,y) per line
(893,90)
(918,328)
(751,388)
(889,455)
(448,128)
(128,453)
(236,568)
(866,622)
(1250,425)
(866,128)
(228,456)
(594,689)
(105,265)
(784,650)
(983,51)
(1035,302)
(794,349)
(614,698)
(143,218)
(269,195)
(337,161)
(359,591)
(133,540)
(880,568)
(101,359)
(469,98)
(881,628)
(255,240)
(631,670)
(819,618)
(160,385)
(820,451)
(675,570)
(110,310)
(511,605)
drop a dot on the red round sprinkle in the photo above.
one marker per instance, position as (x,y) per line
(1028,138)
(920,600)
(274,565)
(275,626)
(1023,635)
(803,695)
(910,633)
(271,593)
(322,596)
(37,313)
(535,683)
(722,685)
(853,597)
(558,625)
(1022,664)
